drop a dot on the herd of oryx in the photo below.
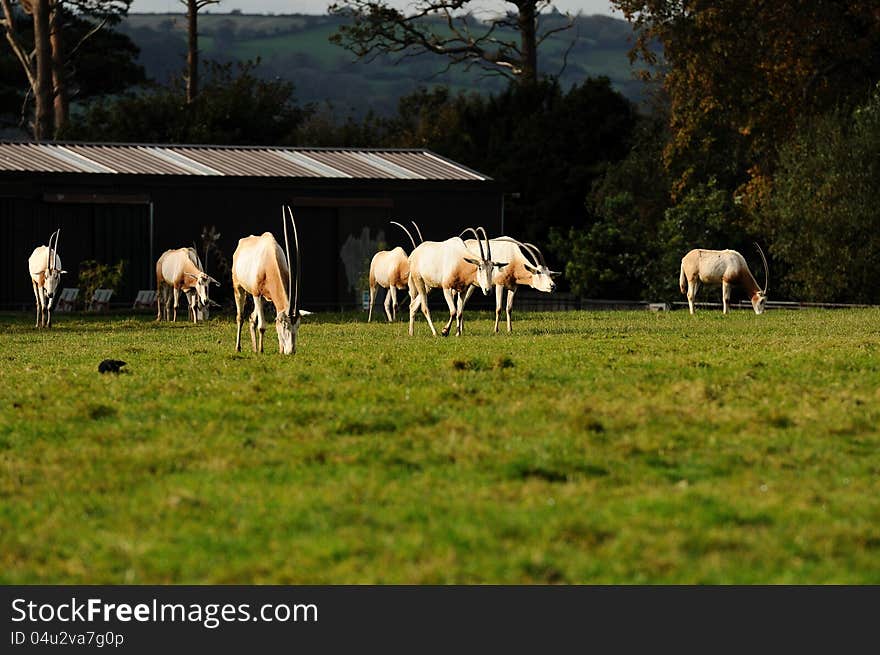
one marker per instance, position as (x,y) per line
(260,269)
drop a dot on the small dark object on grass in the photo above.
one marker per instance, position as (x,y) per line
(110,365)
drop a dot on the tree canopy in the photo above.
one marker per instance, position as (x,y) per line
(504,45)
(739,74)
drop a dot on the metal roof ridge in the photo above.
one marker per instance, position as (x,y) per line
(310,164)
(375,159)
(68,156)
(183,161)
(414,164)
(456,165)
(207,146)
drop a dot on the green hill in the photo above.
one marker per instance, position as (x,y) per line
(296,47)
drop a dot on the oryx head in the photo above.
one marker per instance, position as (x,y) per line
(287,321)
(201,282)
(759,300)
(542,276)
(52,274)
(485,266)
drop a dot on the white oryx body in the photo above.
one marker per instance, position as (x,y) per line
(724,267)
(389,269)
(450,266)
(520,271)
(260,269)
(44,266)
(180,270)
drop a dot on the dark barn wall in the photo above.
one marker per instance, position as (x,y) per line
(332,216)
(102,232)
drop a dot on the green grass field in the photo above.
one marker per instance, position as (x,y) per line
(587,447)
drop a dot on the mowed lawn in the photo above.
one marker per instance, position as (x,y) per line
(586,447)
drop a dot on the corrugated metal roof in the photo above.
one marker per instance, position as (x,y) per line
(232,161)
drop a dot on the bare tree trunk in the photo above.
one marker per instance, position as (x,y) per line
(43,88)
(59,82)
(528,27)
(192,57)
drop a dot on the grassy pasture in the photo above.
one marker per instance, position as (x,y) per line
(587,447)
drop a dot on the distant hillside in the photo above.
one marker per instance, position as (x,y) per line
(296,47)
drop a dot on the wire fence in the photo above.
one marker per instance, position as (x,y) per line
(527,300)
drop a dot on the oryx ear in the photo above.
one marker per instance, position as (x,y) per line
(213,281)
(191,275)
(470,260)
(555,273)
(531,269)
(500,264)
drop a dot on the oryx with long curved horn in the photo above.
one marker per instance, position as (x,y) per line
(727,268)
(389,269)
(261,269)
(521,270)
(180,270)
(44,266)
(451,266)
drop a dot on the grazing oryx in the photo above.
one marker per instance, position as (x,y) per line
(180,270)
(452,267)
(724,267)
(389,269)
(260,268)
(44,265)
(519,271)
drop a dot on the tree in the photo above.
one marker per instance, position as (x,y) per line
(104,63)
(223,112)
(446,28)
(616,253)
(37,63)
(83,20)
(192,33)
(741,73)
(46,62)
(821,212)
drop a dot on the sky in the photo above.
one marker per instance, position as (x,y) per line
(320,6)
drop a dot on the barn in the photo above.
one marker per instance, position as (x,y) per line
(131,202)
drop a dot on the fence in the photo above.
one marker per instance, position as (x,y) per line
(528,300)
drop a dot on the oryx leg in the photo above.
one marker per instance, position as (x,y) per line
(394,304)
(240,300)
(462,301)
(449,295)
(388,300)
(167,303)
(510,294)
(39,305)
(421,301)
(159,303)
(372,300)
(499,301)
(176,299)
(693,288)
(252,325)
(44,307)
(725,296)
(413,304)
(459,313)
(259,319)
